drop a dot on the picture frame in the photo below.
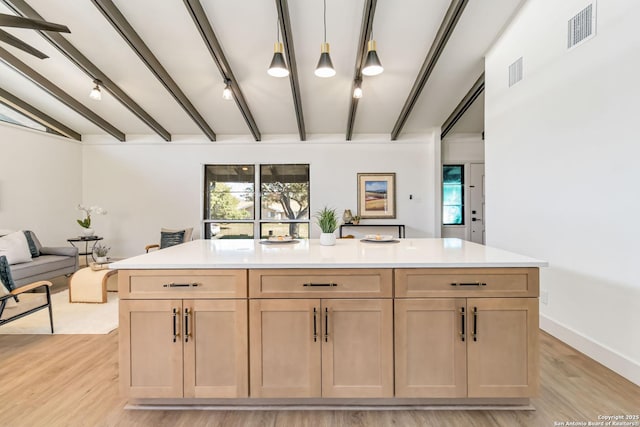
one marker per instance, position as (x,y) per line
(377,195)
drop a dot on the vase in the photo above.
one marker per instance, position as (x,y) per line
(327,239)
(101,259)
(88,232)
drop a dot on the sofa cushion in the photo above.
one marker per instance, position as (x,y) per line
(5,274)
(6,281)
(4,290)
(15,247)
(31,241)
(171,238)
(40,265)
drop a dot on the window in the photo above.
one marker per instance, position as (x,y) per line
(10,115)
(453,195)
(231,204)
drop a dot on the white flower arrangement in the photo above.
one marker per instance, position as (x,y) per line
(86,221)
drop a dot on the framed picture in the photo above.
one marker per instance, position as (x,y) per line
(377,195)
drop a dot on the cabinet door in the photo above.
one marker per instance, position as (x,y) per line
(430,348)
(150,348)
(502,348)
(357,348)
(216,356)
(285,348)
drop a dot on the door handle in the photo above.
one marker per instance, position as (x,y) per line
(475,323)
(315,328)
(176,334)
(326,324)
(187,334)
(462,323)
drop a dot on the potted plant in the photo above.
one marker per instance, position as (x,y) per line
(100,253)
(85,222)
(327,220)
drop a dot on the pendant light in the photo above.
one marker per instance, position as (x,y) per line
(372,65)
(325,66)
(278,67)
(227,95)
(95,92)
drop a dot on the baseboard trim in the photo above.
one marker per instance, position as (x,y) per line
(598,352)
(328,408)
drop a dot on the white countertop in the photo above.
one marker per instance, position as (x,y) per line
(347,253)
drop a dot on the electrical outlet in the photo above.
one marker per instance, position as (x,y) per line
(544,297)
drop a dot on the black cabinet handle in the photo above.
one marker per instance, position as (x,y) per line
(315,328)
(175,324)
(462,323)
(180,285)
(187,334)
(469,284)
(326,324)
(326,285)
(475,323)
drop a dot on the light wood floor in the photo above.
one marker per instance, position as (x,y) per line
(72,380)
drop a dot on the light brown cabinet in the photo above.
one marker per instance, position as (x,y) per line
(173,346)
(470,332)
(321,348)
(476,347)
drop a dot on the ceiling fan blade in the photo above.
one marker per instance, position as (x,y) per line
(34,24)
(8,38)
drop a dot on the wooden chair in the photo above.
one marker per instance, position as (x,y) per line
(169,237)
(20,302)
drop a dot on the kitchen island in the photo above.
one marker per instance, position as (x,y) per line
(410,322)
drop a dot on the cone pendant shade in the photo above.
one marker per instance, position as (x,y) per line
(372,65)
(325,66)
(278,67)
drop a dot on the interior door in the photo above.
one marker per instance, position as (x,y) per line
(476,202)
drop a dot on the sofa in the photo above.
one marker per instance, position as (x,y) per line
(46,262)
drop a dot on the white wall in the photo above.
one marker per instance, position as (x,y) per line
(561,171)
(40,184)
(146,186)
(462,149)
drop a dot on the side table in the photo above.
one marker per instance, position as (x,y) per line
(86,241)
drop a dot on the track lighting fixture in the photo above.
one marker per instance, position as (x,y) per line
(325,66)
(357,90)
(227,94)
(95,92)
(278,67)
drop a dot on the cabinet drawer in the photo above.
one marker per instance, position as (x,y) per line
(320,283)
(164,284)
(466,282)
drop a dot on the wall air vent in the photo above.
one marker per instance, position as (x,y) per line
(582,26)
(515,72)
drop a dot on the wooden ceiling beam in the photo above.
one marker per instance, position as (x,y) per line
(21,7)
(365,32)
(36,115)
(289,51)
(466,102)
(215,49)
(59,94)
(122,26)
(442,37)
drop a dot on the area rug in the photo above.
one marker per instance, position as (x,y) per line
(69,318)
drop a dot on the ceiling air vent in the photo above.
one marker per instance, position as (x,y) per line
(582,26)
(515,72)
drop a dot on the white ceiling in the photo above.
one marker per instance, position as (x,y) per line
(403,29)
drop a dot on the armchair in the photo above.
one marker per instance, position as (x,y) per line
(18,302)
(171,237)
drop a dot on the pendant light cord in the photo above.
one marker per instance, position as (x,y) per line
(278,30)
(325,21)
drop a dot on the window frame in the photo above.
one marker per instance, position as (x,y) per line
(462,195)
(257,220)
